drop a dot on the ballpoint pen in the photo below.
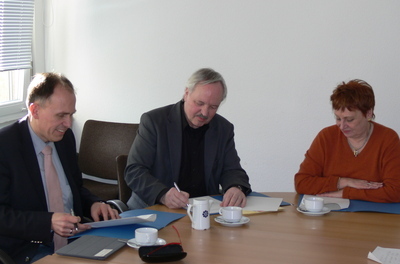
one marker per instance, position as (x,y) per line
(176,186)
(179,190)
(76,225)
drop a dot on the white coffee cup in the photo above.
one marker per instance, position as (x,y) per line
(146,236)
(201,213)
(231,214)
(314,204)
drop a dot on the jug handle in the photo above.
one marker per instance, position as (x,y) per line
(188,212)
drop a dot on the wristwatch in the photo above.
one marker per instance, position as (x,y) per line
(239,187)
(245,190)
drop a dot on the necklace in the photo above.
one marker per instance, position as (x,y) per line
(357,151)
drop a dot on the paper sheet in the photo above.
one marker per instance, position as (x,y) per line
(385,255)
(258,204)
(124,221)
(254,204)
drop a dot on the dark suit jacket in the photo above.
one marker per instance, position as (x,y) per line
(24,219)
(155,157)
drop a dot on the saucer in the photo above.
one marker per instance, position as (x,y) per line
(132,243)
(324,210)
(242,221)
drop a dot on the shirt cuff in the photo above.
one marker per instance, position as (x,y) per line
(245,190)
(160,195)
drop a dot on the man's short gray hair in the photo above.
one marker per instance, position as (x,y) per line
(206,76)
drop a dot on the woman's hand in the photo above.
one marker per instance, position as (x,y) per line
(358,184)
(353,183)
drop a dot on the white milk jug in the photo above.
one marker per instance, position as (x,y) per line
(201,213)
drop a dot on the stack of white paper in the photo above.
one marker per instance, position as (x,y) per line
(124,221)
(254,204)
(385,255)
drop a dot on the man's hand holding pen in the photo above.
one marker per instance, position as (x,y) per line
(67,225)
(175,198)
(76,224)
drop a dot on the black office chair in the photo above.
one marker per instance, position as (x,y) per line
(101,143)
(5,258)
(124,190)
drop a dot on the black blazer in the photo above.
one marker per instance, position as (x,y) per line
(155,156)
(25,222)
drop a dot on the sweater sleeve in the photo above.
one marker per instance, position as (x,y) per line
(311,177)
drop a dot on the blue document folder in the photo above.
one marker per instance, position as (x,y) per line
(365,206)
(128,231)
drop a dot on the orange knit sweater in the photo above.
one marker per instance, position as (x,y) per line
(331,157)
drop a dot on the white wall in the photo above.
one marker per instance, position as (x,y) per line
(281,61)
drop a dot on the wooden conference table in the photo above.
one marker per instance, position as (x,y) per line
(280,237)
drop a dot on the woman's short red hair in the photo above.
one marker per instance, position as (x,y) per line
(354,95)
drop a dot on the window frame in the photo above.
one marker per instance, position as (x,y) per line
(16,42)
(12,111)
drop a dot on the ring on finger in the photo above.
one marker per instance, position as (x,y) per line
(70,231)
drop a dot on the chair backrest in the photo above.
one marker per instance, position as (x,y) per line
(101,143)
(5,258)
(124,191)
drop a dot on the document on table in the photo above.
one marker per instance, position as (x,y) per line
(259,204)
(124,221)
(331,203)
(385,255)
(254,204)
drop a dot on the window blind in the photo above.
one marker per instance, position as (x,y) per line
(16,30)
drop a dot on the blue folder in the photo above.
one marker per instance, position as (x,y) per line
(365,206)
(128,231)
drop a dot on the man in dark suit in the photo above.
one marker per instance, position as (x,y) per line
(27,226)
(188,144)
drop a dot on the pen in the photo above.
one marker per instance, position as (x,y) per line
(76,225)
(176,186)
(179,190)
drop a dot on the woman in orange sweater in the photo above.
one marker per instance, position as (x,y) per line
(356,158)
